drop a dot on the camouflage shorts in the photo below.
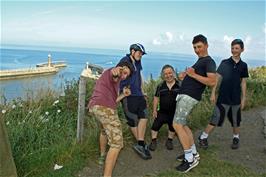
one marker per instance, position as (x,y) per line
(184,105)
(110,124)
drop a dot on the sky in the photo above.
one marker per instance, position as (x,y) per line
(161,26)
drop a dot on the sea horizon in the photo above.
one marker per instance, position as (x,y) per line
(16,58)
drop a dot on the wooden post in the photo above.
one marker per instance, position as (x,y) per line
(7,165)
(81,103)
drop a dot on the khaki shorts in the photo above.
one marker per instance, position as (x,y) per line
(110,124)
(184,105)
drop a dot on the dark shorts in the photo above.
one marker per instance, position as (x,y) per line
(135,108)
(233,112)
(163,119)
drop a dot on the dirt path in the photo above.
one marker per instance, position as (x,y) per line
(252,152)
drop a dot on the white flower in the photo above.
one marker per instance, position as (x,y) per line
(47,113)
(45,120)
(57,101)
(21,105)
(13,106)
(3,111)
(58,111)
(7,123)
(57,167)
(30,112)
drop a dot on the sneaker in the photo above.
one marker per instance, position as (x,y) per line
(185,166)
(169,144)
(101,160)
(235,144)
(142,151)
(203,143)
(147,151)
(182,157)
(153,145)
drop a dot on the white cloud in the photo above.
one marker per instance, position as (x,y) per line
(156,42)
(163,39)
(181,37)
(169,36)
(247,40)
(228,39)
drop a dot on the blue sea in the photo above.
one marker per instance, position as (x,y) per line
(76,61)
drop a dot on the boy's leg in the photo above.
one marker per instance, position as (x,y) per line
(113,129)
(184,106)
(234,116)
(217,119)
(110,161)
(142,128)
(134,131)
(103,142)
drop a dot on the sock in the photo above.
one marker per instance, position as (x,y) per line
(188,155)
(193,148)
(141,143)
(204,135)
(236,136)
(170,139)
(154,139)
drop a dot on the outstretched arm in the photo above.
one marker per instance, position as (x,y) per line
(126,92)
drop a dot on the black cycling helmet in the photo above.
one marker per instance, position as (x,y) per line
(138,47)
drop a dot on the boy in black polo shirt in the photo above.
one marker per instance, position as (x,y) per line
(231,76)
(164,106)
(196,78)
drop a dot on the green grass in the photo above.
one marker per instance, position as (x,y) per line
(42,136)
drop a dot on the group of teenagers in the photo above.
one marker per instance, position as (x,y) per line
(174,99)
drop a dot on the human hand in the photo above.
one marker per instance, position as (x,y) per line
(126,91)
(213,99)
(191,72)
(182,75)
(154,114)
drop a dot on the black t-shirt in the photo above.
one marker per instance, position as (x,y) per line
(232,74)
(191,86)
(167,98)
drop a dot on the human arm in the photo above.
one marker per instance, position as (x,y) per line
(181,76)
(209,80)
(243,89)
(116,73)
(126,92)
(215,88)
(155,105)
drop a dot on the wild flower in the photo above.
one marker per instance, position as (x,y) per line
(57,101)
(45,120)
(7,123)
(57,167)
(3,111)
(47,113)
(30,112)
(58,111)
(13,106)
